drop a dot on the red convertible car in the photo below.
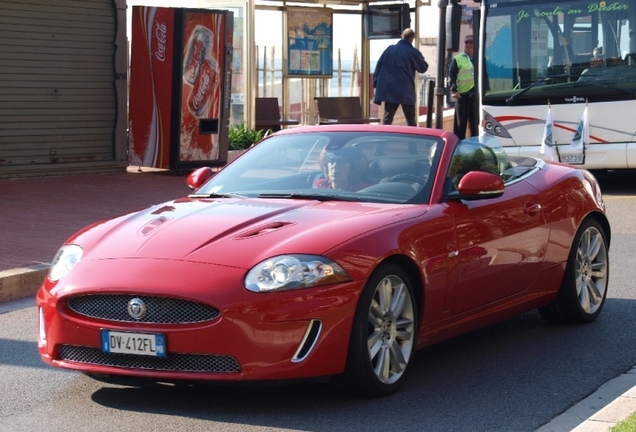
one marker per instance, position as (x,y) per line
(327,251)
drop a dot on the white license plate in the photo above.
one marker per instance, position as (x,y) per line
(574,159)
(134,343)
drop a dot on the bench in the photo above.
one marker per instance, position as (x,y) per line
(267,115)
(335,110)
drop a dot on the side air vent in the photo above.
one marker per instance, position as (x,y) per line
(308,342)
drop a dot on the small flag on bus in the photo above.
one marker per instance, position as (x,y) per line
(582,136)
(548,142)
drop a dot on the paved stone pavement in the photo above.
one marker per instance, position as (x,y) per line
(38,214)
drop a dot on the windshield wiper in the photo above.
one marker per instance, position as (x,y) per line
(511,99)
(317,197)
(216,195)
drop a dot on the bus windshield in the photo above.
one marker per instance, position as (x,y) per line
(536,51)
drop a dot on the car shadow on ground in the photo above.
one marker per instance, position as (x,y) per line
(514,375)
(616,182)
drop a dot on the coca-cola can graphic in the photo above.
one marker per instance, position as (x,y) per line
(198,50)
(204,88)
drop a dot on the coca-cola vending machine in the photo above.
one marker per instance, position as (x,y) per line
(180,84)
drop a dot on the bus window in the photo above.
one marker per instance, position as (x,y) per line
(553,43)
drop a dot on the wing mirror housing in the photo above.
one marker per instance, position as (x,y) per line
(198,177)
(477,185)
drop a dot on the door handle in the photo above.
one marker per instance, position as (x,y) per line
(532,209)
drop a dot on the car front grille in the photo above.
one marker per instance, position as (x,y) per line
(173,362)
(159,310)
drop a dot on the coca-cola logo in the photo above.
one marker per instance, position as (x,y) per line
(161,32)
(201,91)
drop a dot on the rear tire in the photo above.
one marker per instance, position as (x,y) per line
(383,335)
(584,286)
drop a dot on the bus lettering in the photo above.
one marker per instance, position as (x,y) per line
(555,12)
(603,7)
(522,15)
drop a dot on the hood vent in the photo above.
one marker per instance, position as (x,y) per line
(265,229)
(152,225)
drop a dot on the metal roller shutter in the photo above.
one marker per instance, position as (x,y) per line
(58,103)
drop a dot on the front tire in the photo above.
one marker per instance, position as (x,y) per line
(584,287)
(383,335)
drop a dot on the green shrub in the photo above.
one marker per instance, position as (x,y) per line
(242,137)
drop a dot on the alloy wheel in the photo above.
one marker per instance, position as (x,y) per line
(391,325)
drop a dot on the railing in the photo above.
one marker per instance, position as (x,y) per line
(302,91)
(270,74)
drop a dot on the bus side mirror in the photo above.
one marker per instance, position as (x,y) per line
(453,24)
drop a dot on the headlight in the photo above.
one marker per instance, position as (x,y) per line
(287,272)
(65,259)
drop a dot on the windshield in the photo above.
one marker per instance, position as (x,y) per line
(558,49)
(350,166)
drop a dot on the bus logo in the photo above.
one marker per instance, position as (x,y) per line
(575,99)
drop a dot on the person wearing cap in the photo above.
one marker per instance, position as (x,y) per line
(394,78)
(597,57)
(342,169)
(462,86)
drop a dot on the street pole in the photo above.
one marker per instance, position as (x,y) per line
(441,58)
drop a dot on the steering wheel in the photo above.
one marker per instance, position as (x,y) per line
(408,177)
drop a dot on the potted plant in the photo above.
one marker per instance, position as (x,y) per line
(242,137)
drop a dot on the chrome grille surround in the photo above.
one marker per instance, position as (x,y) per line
(159,310)
(173,362)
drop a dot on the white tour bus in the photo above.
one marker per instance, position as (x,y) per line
(566,57)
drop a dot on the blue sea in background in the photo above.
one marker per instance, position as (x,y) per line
(345,66)
(345,79)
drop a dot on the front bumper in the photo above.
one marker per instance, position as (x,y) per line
(257,336)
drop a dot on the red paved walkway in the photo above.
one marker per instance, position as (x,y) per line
(38,214)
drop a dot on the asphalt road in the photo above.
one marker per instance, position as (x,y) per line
(512,376)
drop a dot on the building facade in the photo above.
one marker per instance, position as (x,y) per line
(62,87)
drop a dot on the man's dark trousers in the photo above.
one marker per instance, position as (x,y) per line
(464,115)
(389,111)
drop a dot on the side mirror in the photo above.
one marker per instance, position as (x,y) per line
(478,185)
(198,177)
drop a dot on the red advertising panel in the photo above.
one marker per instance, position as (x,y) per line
(151,86)
(202,76)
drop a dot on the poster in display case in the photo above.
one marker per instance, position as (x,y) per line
(309,42)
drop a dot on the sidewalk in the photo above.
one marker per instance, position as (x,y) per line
(38,214)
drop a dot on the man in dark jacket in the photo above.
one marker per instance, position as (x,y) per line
(394,78)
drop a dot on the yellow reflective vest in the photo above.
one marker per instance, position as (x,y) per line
(465,74)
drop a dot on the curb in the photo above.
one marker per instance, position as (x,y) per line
(21,282)
(611,403)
